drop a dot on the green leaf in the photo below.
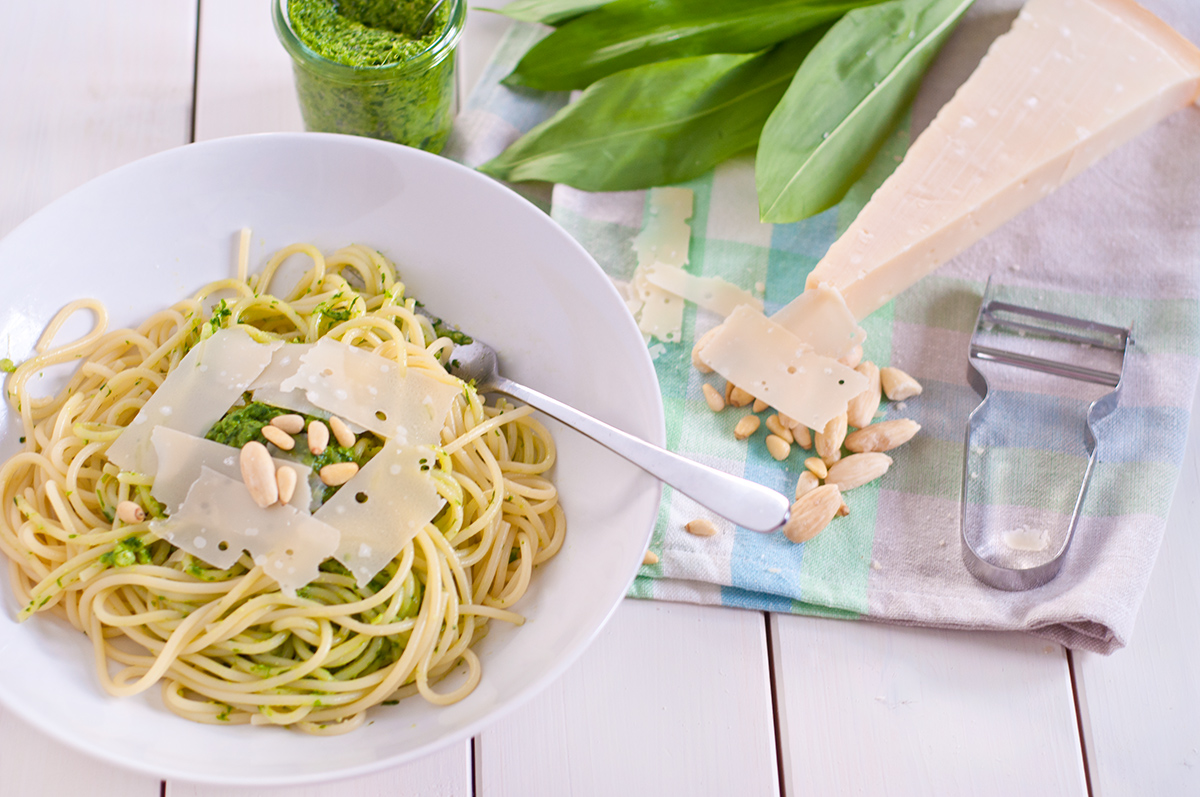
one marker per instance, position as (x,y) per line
(547,12)
(844,102)
(628,33)
(656,124)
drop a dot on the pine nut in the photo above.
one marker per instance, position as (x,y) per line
(318,438)
(778,447)
(852,358)
(812,512)
(778,429)
(806,484)
(746,427)
(739,397)
(728,391)
(290,423)
(802,436)
(341,432)
(861,410)
(788,421)
(817,466)
(129,513)
(699,364)
(701,527)
(338,473)
(651,558)
(258,473)
(715,402)
(285,479)
(882,436)
(829,440)
(760,405)
(898,385)
(280,438)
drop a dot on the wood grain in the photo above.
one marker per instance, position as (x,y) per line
(446,773)
(244,77)
(670,699)
(1140,707)
(872,709)
(88,87)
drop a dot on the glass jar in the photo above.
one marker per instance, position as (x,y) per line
(411,102)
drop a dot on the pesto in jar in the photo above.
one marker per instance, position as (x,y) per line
(361,67)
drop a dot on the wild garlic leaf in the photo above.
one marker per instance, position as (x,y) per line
(628,33)
(845,100)
(547,12)
(657,124)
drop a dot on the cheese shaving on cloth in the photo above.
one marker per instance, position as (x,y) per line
(131,515)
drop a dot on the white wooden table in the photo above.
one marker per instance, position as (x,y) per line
(672,699)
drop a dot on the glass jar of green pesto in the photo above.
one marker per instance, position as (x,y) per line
(375,68)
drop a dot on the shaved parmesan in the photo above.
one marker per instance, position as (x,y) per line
(664,240)
(711,293)
(284,365)
(666,236)
(194,396)
(661,311)
(218,520)
(181,456)
(382,508)
(822,321)
(374,392)
(770,363)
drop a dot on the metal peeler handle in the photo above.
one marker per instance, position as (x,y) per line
(993,313)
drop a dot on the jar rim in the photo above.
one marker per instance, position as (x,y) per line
(431,56)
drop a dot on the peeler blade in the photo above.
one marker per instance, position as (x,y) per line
(1031,444)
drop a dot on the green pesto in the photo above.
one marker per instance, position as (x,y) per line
(380,98)
(366,32)
(244,423)
(7,366)
(126,553)
(220,313)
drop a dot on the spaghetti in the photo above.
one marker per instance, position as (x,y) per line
(228,646)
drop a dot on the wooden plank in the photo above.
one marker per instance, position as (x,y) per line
(670,699)
(88,87)
(446,773)
(244,80)
(866,708)
(1140,707)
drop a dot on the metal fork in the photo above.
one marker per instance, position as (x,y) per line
(749,505)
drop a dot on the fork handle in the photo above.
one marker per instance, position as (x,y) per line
(745,503)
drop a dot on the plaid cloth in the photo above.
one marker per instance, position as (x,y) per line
(1120,245)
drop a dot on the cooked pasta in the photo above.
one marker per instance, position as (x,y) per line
(228,646)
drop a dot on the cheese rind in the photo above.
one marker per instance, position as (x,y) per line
(1070,82)
(770,363)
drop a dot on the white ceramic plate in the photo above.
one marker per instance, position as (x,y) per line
(152,232)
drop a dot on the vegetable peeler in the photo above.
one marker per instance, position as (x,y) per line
(1023,451)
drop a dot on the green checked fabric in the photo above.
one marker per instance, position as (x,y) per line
(1120,245)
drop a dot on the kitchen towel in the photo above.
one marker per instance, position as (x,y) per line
(1120,244)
